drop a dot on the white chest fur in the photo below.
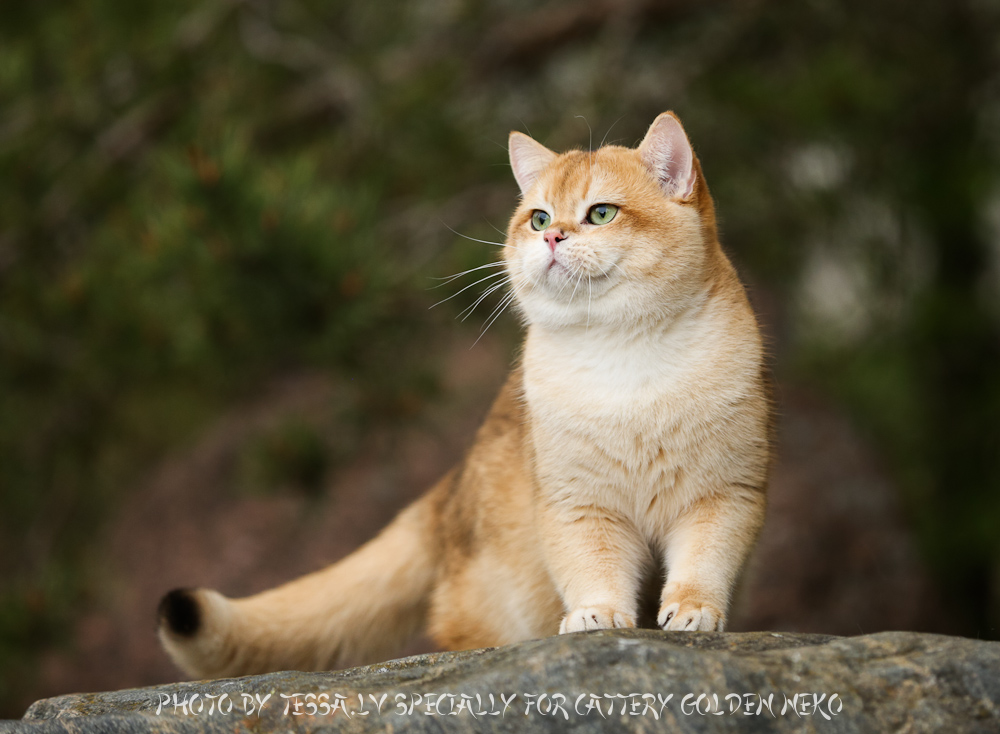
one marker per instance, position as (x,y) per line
(620,419)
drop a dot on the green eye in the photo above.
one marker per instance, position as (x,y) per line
(601,213)
(540,220)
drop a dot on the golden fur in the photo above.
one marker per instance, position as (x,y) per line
(632,439)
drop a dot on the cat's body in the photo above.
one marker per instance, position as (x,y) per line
(632,437)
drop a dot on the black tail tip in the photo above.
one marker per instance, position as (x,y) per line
(180,612)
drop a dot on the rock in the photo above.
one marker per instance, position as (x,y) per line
(617,680)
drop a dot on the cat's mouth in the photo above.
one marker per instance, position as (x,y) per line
(564,280)
(558,272)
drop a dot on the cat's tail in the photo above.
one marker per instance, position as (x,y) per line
(359,610)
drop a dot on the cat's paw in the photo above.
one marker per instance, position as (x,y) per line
(595,618)
(690,613)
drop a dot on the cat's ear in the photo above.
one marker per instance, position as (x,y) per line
(528,159)
(667,153)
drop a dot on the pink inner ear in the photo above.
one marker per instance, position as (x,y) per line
(667,153)
(528,159)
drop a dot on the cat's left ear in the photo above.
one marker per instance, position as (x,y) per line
(528,159)
(667,153)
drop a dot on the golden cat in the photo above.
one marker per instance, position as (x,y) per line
(631,442)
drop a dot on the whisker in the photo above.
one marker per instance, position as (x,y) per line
(590,148)
(448,278)
(590,295)
(473,239)
(499,308)
(611,263)
(561,288)
(521,120)
(610,129)
(502,233)
(481,280)
(627,276)
(499,145)
(590,143)
(579,279)
(493,287)
(508,299)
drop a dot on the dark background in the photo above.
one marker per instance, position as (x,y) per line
(220,221)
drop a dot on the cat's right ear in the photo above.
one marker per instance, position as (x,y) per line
(528,159)
(667,154)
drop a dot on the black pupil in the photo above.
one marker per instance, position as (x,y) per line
(601,212)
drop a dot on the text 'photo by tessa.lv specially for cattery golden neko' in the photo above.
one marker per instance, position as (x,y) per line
(619,475)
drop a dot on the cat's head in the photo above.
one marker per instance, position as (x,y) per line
(613,236)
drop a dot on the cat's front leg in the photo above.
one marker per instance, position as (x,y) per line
(595,557)
(706,547)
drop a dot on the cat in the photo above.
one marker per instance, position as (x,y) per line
(631,442)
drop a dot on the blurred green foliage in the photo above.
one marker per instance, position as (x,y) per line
(197,196)
(292,454)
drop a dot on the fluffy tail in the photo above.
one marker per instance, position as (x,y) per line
(359,610)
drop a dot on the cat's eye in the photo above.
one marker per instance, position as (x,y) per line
(540,220)
(601,213)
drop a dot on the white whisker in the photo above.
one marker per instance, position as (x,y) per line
(449,278)
(499,307)
(507,300)
(502,233)
(610,129)
(579,279)
(590,148)
(590,295)
(481,280)
(561,288)
(473,239)
(590,143)
(493,287)
(606,265)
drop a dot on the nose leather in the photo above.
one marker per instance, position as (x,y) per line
(553,237)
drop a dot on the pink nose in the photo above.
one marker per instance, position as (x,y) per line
(553,237)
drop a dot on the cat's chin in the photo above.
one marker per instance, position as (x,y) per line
(560,294)
(555,305)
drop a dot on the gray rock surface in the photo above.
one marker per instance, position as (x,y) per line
(636,680)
